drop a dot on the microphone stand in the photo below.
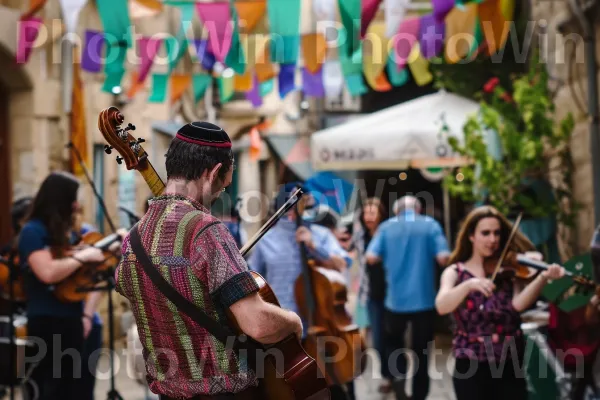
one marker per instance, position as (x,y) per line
(11,320)
(112,394)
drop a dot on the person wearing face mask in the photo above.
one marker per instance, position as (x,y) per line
(42,244)
(199,258)
(488,342)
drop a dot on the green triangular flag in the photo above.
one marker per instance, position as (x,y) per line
(236,59)
(160,82)
(397,78)
(200,83)
(226,89)
(266,87)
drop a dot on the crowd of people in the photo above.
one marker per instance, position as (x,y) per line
(399,258)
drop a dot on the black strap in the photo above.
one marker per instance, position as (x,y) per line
(241,342)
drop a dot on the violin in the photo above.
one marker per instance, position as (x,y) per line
(74,288)
(512,267)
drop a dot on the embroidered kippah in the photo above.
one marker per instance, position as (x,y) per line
(204,134)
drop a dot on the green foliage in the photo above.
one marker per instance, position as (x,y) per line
(529,138)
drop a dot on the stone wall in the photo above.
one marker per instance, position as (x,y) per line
(563,48)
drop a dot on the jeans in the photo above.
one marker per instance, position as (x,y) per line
(422,335)
(479,382)
(376,316)
(89,362)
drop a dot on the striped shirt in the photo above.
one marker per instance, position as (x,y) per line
(198,256)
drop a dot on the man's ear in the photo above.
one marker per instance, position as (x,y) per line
(212,175)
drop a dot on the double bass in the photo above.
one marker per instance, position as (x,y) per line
(299,377)
(332,338)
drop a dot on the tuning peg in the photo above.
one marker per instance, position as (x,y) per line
(119,160)
(140,140)
(108,149)
(130,127)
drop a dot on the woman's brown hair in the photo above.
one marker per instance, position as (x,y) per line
(373,201)
(464,248)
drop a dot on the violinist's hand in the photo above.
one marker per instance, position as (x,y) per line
(534,255)
(595,302)
(116,246)
(484,286)
(89,254)
(303,235)
(554,271)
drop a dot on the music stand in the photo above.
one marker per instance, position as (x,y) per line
(109,279)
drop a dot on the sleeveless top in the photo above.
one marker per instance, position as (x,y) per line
(491,333)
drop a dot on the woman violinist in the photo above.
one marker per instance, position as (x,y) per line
(488,340)
(43,241)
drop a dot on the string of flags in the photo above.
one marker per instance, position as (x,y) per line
(253,46)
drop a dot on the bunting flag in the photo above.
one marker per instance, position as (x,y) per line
(28,33)
(312,83)
(179,84)
(236,58)
(34,7)
(136,85)
(460,28)
(494,25)
(350,14)
(287,74)
(70,11)
(508,9)
(251,13)
(405,40)
(396,78)
(431,34)
(254,95)
(375,57)
(144,8)
(226,91)
(333,79)
(264,68)
(369,10)
(216,19)
(394,11)
(78,128)
(148,47)
(160,83)
(419,67)
(201,82)
(441,8)
(314,51)
(114,15)
(255,144)
(353,72)
(91,58)
(203,55)
(242,83)
(266,87)
(284,23)
(178,46)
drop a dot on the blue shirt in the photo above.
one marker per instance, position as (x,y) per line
(41,301)
(408,245)
(277,257)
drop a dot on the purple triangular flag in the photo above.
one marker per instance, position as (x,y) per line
(206,58)
(286,79)
(312,84)
(253,95)
(91,58)
(441,8)
(431,36)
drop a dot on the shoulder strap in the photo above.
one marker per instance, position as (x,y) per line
(213,327)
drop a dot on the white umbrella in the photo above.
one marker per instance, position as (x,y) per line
(407,135)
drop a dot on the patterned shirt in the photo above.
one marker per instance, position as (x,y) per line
(196,254)
(488,333)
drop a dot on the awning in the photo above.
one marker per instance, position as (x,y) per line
(294,151)
(411,134)
(171,127)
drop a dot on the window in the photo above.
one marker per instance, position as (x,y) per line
(99,182)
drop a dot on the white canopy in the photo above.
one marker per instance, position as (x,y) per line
(407,135)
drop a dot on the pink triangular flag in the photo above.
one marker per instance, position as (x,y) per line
(148,47)
(369,10)
(216,18)
(404,41)
(28,32)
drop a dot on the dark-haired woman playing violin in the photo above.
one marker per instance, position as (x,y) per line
(56,327)
(488,341)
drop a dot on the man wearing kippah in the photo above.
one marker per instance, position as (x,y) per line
(277,257)
(197,255)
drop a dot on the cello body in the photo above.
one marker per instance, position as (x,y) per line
(68,290)
(333,331)
(18,285)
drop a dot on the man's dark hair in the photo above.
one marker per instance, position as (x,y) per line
(20,209)
(189,161)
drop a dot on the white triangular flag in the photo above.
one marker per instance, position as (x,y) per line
(70,11)
(395,10)
(333,79)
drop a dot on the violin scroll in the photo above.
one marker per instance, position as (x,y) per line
(120,139)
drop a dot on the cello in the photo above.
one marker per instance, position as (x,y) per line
(298,377)
(321,295)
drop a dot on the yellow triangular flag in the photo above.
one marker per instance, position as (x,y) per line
(419,66)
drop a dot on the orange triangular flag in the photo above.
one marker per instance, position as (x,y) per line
(460,25)
(34,7)
(78,128)
(250,13)
(495,26)
(135,85)
(255,144)
(314,50)
(243,83)
(264,67)
(144,8)
(179,84)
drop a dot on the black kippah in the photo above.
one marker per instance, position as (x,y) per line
(204,134)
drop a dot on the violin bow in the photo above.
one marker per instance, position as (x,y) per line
(507,245)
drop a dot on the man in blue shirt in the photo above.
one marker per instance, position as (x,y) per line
(409,245)
(277,255)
